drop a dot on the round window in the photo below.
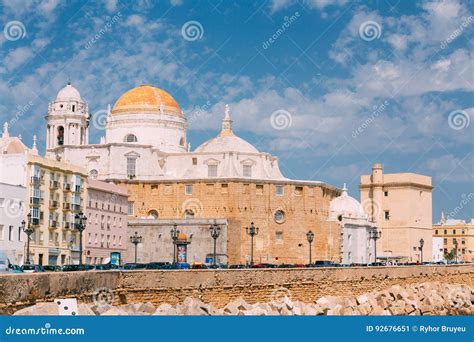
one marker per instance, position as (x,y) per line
(279,216)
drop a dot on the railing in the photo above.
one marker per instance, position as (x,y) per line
(54,185)
(67,187)
(66,206)
(53,204)
(53,223)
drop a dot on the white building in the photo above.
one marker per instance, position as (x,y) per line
(12,209)
(438,249)
(356,245)
(145,139)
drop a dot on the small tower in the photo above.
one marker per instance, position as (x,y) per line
(67,121)
(227,123)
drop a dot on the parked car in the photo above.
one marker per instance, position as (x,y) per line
(29,268)
(106,267)
(263,265)
(3,264)
(182,266)
(15,269)
(324,263)
(237,266)
(159,265)
(52,268)
(74,268)
(133,266)
(198,266)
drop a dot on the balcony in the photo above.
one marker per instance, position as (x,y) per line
(36,201)
(53,224)
(54,185)
(76,207)
(67,187)
(53,204)
(66,206)
(67,225)
(37,180)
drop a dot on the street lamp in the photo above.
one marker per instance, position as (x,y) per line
(310,238)
(252,231)
(422,243)
(375,235)
(456,250)
(215,230)
(174,236)
(136,239)
(81,220)
(28,230)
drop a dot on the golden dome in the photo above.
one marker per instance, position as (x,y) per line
(146,99)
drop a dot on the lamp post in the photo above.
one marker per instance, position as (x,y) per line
(375,235)
(252,231)
(456,250)
(28,230)
(135,239)
(174,236)
(81,221)
(215,230)
(422,243)
(310,238)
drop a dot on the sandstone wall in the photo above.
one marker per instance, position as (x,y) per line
(218,287)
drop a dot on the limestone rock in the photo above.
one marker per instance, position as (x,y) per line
(39,309)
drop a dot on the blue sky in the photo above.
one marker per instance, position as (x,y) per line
(330,87)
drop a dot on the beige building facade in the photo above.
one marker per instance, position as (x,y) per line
(55,192)
(284,211)
(400,206)
(458,238)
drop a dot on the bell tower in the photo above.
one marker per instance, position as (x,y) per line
(67,121)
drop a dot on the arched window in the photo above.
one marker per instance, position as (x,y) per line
(153,214)
(60,135)
(93,174)
(188,214)
(130,138)
(212,170)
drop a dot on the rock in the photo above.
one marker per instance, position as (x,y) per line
(115,311)
(194,307)
(84,309)
(39,309)
(362,299)
(237,305)
(165,310)
(335,311)
(100,309)
(256,312)
(148,308)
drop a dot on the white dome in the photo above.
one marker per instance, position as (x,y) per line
(227,143)
(346,206)
(69,93)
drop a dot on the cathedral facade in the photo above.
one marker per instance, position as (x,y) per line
(145,148)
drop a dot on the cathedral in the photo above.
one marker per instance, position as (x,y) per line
(225,180)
